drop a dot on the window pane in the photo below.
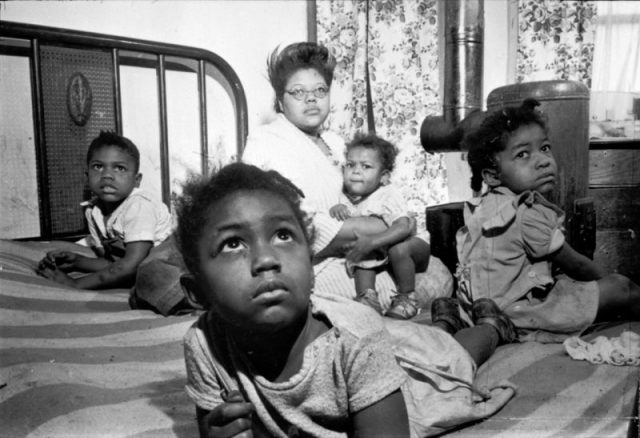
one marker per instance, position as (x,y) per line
(615,88)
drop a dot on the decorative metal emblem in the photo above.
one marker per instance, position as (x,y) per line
(79,99)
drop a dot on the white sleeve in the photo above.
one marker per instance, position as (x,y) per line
(139,221)
(202,383)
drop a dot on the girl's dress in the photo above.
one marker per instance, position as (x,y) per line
(281,146)
(360,360)
(503,251)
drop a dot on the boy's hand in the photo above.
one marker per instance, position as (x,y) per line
(54,274)
(63,260)
(361,248)
(231,419)
(340,212)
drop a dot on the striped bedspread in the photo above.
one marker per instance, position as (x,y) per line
(81,363)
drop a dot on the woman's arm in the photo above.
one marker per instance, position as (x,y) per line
(352,227)
(576,265)
(399,231)
(386,418)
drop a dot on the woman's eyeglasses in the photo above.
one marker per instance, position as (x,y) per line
(301,94)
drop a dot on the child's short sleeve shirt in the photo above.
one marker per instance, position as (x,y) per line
(362,359)
(504,243)
(347,369)
(387,203)
(542,232)
(140,217)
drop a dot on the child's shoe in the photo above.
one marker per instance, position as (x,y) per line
(369,297)
(444,311)
(403,306)
(486,311)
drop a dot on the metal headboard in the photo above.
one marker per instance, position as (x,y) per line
(156,54)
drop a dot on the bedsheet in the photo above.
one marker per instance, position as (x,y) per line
(82,364)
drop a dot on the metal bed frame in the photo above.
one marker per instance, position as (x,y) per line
(18,39)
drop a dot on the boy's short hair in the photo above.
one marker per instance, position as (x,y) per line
(386,150)
(110,138)
(201,194)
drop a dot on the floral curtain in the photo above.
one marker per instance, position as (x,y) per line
(342,27)
(555,40)
(395,45)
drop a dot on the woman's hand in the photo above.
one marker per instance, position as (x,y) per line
(340,212)
(361,248)
(229,419)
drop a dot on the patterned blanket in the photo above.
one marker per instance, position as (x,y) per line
(82,364)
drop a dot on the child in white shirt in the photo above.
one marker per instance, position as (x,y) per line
(124,222)
(367,192)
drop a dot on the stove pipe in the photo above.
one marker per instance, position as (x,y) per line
(462,102)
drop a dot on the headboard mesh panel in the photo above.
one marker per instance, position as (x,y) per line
(66,142)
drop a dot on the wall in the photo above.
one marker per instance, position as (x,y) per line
(241,32)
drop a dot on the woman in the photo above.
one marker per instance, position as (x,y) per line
(295,145)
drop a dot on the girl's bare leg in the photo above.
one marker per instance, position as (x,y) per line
(619,299)
(364,279)
(480,341)
(406,258)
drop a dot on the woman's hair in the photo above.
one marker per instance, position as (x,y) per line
(110,138)
(386,150)
(493,134)
(200,196)
(282,64)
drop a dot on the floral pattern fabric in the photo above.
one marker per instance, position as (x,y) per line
(390,49)
(395,45)
(555,40)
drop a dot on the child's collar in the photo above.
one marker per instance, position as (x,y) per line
(354,199)
(503,191)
